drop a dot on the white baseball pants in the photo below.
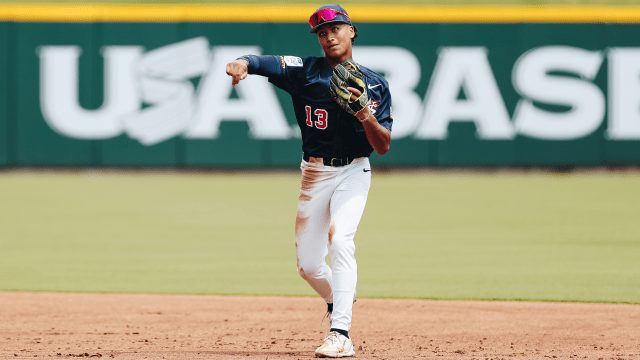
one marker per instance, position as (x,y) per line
(330,206)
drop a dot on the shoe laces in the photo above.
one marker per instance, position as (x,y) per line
(332,338)
(327,315)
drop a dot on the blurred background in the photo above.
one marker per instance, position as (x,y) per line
(129,163)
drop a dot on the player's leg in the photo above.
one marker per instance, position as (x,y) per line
(347,206)
(312,227)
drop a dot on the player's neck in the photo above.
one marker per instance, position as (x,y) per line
(333,61)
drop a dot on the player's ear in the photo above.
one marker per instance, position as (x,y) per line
(352,32)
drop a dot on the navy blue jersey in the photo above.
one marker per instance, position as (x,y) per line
(327,130)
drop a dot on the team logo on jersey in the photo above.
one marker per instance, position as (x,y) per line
(293,61)
(373,105)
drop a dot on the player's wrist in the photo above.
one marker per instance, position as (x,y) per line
(243,63)
(364,117)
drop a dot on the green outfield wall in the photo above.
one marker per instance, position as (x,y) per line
(4,86)
(129,92)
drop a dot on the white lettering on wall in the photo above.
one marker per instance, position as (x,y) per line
(258,104)
(163,77)
(59,91)
(532,80)
(624,94)
(464,68)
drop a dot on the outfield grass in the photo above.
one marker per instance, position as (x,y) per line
(442,236)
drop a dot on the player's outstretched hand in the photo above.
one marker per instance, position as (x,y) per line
(238,70)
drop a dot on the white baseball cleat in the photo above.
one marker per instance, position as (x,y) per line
(335,345)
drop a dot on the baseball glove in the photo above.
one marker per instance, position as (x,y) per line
(348,74)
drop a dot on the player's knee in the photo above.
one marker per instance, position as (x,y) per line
(303,273)
(308,272)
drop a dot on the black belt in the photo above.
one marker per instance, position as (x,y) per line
(332,162)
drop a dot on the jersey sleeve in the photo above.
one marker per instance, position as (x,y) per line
(265,65)
(282,71)
(384,113)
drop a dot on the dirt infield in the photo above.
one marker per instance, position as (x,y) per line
(123,326)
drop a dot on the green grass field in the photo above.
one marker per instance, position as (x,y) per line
(424,235)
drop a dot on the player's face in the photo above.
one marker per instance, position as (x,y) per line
(335,39)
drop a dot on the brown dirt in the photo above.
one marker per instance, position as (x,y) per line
(124,326)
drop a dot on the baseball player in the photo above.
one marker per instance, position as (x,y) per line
(344,113)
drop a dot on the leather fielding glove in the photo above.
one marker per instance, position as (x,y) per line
(348,74)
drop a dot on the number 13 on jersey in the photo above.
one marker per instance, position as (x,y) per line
(320,115)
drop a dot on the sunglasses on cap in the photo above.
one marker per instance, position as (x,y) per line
(326,15)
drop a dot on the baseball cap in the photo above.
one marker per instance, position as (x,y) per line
(327,14)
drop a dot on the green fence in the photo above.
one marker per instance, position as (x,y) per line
(4,86)
(155,94)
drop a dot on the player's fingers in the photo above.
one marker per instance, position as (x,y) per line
(355,91)
(230,69)
(235,81)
